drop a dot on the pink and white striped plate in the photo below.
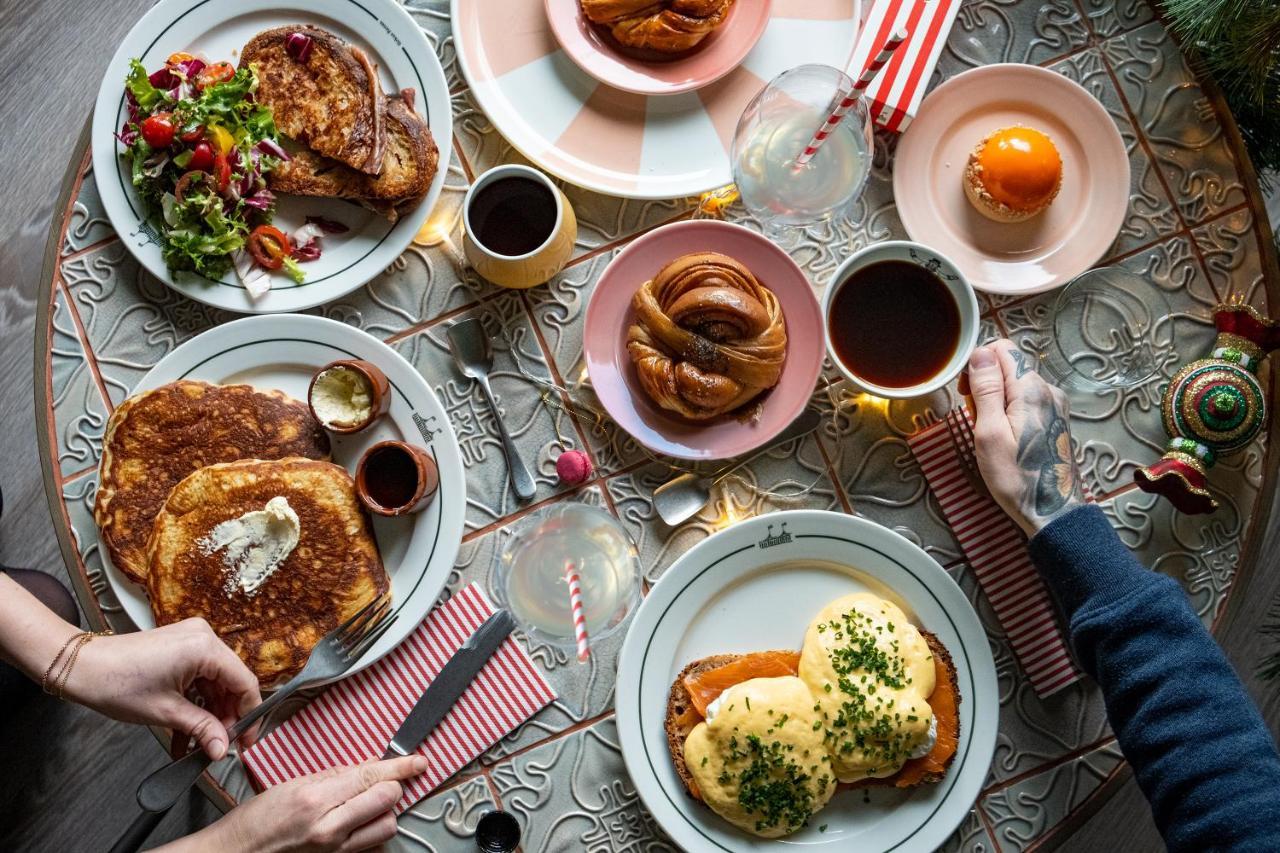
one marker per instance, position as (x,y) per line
(623,143)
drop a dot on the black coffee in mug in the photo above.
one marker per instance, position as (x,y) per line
(894,324)
(512,216)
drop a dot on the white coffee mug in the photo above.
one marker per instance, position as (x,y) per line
(957,285)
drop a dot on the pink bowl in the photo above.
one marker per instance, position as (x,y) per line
(609,314)
(649,72)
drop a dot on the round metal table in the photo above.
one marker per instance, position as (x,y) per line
(1196,227)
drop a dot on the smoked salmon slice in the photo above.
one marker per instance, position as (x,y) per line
(705,687)
(944,704)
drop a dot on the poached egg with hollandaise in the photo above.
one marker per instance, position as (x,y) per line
(759,759)
(869,672)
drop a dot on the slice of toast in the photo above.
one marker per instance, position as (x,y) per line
(409,164)
(331,103)
(682,717)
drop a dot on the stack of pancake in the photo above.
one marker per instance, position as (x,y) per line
(181,459)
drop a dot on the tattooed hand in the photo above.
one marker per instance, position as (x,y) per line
(1022,437)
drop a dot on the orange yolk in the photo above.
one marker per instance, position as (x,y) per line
(1020,167)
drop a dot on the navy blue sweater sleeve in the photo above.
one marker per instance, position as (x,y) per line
(1199,749)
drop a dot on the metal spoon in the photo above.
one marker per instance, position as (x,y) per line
(679,499)
(473,354)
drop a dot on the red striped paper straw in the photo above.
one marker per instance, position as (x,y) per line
(896,38)
(575,605)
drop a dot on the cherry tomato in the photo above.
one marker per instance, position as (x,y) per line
(195,134)
(158,130)
(188,178)
(221,171)
(201,158)
(269,246)
(218,72)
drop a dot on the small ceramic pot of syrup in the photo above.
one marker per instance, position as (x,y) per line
(396,478)
(901,320)
(347,396)
(519,227)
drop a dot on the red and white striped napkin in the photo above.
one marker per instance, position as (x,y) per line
(996,550)
(895,95)
(354,720)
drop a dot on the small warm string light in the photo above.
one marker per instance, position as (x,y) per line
(713,203)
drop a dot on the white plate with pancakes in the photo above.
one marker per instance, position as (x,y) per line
(282,353)
(404,58)
(757,586)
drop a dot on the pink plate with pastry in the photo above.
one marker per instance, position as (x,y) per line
(657,48)
(703,340)
(1016,174)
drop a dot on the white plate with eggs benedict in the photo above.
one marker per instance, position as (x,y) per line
(809,678)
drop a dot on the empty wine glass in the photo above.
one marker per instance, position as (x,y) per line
(777,126)
(1110,329)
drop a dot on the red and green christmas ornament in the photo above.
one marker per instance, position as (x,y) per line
(1213,406)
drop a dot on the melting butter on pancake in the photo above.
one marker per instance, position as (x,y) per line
(156,438)
(333,570)
(759,762)
(870,672)
(254,545)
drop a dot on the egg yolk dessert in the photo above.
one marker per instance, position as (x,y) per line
(1013,174)
(765,739)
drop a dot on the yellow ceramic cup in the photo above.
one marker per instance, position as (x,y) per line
(532,268)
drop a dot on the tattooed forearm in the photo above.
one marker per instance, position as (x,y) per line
(1048,467)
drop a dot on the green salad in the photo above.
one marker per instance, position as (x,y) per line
(200,147)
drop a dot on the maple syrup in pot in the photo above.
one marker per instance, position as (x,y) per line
(894,324)
(391,477)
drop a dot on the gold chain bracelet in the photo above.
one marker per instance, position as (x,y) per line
(75,643)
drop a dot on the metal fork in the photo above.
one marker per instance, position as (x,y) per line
(330,658)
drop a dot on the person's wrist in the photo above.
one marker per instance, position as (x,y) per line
(1036,523)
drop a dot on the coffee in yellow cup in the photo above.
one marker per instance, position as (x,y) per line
(519,227)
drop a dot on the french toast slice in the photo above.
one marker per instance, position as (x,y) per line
(409,164)
(328,100)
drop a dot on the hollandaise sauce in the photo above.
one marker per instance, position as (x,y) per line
(870,671)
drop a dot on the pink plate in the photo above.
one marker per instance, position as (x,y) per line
(1043,252)
(613,377)
(649,72)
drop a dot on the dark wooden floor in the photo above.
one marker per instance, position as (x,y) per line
(67,775)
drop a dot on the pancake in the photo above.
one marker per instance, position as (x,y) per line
(333,571)
(156,438)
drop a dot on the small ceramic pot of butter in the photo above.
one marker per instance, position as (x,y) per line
(347,396)
(396,478)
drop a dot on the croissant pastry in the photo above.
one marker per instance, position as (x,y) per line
(708,337)
(667,26)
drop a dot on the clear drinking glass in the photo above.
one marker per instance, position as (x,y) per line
(1110,329)
(531,581)
(777,126)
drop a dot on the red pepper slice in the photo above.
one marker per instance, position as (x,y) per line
(269,246)
(185,182)
(222,171)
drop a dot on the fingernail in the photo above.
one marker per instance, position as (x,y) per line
(982,358)
(217,748)
(419,764)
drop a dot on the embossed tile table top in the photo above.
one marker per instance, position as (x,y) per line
(1193,227)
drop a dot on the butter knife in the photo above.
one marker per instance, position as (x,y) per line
(447,687)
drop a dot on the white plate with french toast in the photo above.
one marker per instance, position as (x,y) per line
(387,103)
(230,405)
(807,678)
